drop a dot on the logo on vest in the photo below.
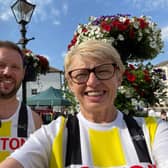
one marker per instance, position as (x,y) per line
(7,143)
(138,137)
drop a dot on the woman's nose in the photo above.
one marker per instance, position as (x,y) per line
(92,80)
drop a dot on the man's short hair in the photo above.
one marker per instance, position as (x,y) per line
(11,45)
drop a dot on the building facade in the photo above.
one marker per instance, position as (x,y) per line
(54,77)
(163,105)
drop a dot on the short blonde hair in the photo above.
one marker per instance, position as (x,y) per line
(95,49)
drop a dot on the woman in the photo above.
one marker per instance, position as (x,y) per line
(100,135)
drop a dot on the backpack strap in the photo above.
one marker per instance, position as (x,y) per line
(22,121)
(73,153)
(138,139)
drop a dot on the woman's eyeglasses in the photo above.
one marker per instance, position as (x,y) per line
(102,72)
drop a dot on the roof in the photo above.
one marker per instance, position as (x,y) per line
(53,69)
(51,96)
(162,63)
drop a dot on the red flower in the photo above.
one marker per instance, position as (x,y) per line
(131,33)
(126,72)
(147,78)
(146,72)
(114,23)
(127,22)
(131,77)
(44,64)
(84,30)
(105,26)
(131,66)
(122,27)
(69,46)
(136,88)
(73,41)
(146,75)
(119,25)
(142,22)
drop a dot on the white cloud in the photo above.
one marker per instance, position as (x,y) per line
(65,8)
(5,10)
(41,3)
(5,16)
(5,3)
(55,12)
(148,5)
(63,54)
(56,22)
(45,10)
(42,11)
(165,33)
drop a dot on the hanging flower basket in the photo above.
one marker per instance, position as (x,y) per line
(136,39)
(30,74)
(35,64)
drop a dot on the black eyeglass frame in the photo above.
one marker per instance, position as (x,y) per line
(94,71)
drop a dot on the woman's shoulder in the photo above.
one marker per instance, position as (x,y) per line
(55,125)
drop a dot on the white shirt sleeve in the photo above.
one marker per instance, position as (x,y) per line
(36,151)
(160,145)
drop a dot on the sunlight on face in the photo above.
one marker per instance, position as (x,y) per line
(95,94)
(11,72)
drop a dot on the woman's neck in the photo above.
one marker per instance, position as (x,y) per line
(100,116)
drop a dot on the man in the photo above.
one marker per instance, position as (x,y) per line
(17,120)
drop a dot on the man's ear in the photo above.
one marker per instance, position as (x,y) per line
(24,71)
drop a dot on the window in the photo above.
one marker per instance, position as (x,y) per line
(34,91)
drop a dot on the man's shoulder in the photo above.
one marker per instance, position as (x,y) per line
(37,119)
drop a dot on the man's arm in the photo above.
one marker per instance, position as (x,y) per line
(10,163)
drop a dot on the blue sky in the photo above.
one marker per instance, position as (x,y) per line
(54,22)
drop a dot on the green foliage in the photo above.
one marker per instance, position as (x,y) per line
(70,96)
(142,87)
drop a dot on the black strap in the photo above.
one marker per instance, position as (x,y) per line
(73,153)
(138,139)
(22,121)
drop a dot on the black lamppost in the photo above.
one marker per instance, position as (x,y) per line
(23,11)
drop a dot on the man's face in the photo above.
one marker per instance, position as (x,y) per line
(11,72)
